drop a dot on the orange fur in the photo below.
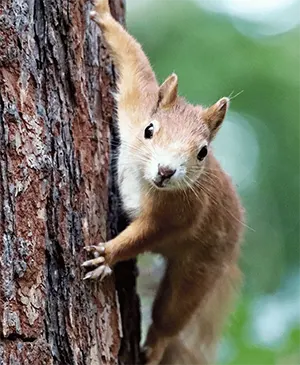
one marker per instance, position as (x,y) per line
(193,218)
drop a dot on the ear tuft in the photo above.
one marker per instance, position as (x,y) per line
(223,103)
(215,115)
(167,93)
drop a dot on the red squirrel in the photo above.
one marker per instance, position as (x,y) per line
(181,203)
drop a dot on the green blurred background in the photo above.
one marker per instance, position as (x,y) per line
(220,48)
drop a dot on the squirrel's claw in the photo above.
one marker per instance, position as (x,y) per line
(93,14)
(101,8)
(95,262)
(103,269)
(99,273)
(100,249)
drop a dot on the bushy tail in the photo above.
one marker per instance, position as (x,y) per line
(196,344)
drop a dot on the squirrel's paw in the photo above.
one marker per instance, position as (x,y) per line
(146,354)
(154,347)
(101,7)
(150,355)
(102,269)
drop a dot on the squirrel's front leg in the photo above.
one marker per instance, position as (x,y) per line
(137,86)
(137,238)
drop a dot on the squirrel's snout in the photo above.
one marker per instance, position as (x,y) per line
(165,172)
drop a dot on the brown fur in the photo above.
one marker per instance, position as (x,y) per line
(197,228)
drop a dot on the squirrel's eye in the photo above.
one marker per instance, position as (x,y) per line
(203,152)
(149,131)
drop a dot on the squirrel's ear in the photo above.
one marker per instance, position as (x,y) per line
(214,115)
(167,93)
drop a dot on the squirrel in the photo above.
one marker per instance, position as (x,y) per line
(181,204)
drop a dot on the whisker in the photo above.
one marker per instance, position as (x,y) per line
(222,205)
(235,96)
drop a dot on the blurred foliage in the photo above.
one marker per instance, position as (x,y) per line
(213,58)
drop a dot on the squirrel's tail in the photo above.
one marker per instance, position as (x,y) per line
(196,344)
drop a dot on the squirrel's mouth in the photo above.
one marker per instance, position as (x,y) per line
(161,182)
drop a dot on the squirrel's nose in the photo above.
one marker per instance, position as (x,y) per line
(165,172)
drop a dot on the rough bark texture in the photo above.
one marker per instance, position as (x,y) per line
(56,115)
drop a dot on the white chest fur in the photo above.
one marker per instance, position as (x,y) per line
(129,184)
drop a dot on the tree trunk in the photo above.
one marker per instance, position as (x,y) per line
(56,193)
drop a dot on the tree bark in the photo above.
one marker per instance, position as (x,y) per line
(56,192)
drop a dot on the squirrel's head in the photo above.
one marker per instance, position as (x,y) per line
(175,141)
